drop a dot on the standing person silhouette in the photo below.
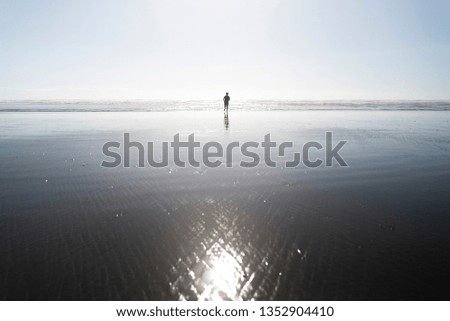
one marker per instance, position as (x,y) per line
(226,100)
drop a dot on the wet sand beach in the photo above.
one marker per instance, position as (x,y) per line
(378,229)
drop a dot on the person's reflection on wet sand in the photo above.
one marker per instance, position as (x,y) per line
(226,121)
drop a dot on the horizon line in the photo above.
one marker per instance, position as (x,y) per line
(209,99)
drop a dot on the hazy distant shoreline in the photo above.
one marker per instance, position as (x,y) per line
(214,105)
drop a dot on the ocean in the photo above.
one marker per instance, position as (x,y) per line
(211,105)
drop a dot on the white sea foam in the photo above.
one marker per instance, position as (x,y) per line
(207,105)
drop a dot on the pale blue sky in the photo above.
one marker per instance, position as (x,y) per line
(298,49)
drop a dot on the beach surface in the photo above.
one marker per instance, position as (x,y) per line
(377,229)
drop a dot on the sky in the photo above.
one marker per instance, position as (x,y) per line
(198,49)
